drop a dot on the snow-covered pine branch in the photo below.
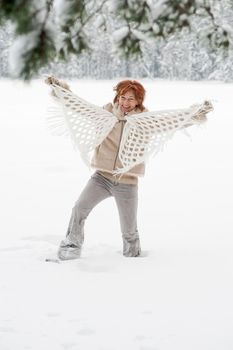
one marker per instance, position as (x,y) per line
(56,29)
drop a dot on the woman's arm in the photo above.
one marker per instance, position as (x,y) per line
(146,133)
(200,116)
(86,123)
(51,80)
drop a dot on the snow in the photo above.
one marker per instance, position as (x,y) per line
(139,35)
(39,11)
(178,295)
(62,9)
(21,47)
(157,8)
(120,34)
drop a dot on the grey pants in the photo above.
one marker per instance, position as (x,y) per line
(97,189)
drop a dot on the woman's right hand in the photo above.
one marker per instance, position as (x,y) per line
(50,80)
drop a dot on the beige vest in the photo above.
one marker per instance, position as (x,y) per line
(106,155)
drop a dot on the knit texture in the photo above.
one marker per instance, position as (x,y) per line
(144,134)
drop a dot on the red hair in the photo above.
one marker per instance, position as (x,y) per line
(125,85)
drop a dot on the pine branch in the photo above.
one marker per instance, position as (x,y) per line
(137,18)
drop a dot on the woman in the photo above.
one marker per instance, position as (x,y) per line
(119,156)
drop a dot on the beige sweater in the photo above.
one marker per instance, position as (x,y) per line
(106,158)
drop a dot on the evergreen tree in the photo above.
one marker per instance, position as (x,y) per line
(6,38)
(54,30)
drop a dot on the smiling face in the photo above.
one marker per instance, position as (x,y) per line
(127,101)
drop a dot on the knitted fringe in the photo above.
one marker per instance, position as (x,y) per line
(56,121)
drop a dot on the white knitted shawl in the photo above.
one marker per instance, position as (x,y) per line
(144,134)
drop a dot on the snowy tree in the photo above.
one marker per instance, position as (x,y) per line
(53,30)
(6,38)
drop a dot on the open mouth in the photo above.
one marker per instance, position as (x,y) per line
(125,109)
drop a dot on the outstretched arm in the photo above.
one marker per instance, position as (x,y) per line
(86,123)
(199,117)
(51,80)
(146,133)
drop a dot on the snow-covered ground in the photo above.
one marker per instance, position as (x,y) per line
(178,294)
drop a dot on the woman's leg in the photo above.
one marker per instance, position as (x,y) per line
(126,197)
(94,192)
